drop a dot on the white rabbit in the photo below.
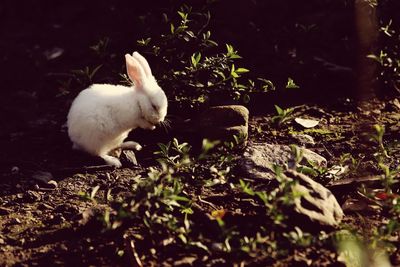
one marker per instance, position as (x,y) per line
(102,115)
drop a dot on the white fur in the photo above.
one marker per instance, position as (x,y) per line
(102,115)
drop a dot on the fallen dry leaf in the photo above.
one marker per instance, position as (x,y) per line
(306,123)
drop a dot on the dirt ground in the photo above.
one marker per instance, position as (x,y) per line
(46,224)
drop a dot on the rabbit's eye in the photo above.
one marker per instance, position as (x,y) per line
(154,107)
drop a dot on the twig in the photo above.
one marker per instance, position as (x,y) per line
(355,181)
(327,151)
(208,203)
(368,200)
(132,253)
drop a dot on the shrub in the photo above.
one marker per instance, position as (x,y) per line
(194,68)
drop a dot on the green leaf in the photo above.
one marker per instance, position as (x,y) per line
(231,53)
(291,84)
(187,211)
(233,72)
(229,49)
(278,109)
(172,28)
(307,171)
(235,56)
(183,15)
(220,73)
(94,191)
(183,238)
(207,145)
(246,188)
(242,70)
(198,57)
(143,42)
(190,33)
(212,43)
(180,198)
(374,57)
(195,59)
(200,245)
(267,84)
(91,75)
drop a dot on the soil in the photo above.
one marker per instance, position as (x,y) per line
(51,224)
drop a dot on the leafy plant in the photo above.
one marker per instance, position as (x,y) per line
(388,178)
(276,200)
(85,76)
(89,196)
(291,84)
(179,159)
(194,68)
(377,136)
(100,48)
(238,142)
(283,115)
(298,237)
(388,57)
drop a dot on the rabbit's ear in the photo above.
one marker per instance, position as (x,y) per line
(143,62)
(134,70)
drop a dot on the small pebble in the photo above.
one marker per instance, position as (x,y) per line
(32,196)
(16,221)
(4,211)
(56,219)
(50,184)
(44,206)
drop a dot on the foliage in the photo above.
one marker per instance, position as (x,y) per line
(84,77)
(194,68)
(283,115)
(373,245)
(162,211)
(388,57)
(291,84)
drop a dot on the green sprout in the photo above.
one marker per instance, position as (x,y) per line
(283,115)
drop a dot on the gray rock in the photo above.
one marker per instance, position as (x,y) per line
(316,205)
(128,157)
(304,139)
(222,122)
(259,159)
(52,184)
(42,176)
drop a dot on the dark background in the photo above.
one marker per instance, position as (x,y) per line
(277,39)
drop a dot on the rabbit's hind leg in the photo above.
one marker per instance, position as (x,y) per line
(110,160)
(131,145)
